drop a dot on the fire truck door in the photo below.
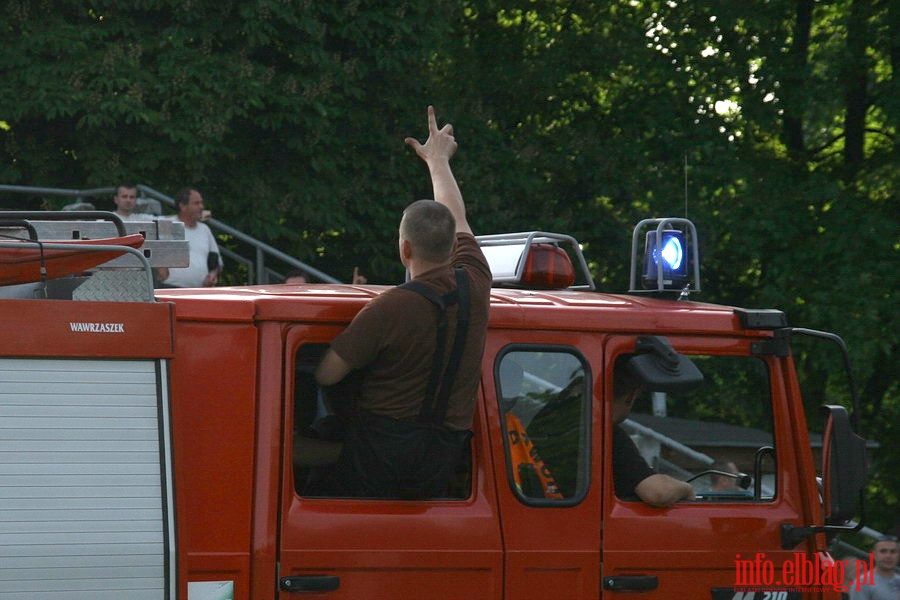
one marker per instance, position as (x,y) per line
(539,401)
(445,548)
(723,436)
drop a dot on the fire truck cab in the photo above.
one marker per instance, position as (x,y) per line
(159,447)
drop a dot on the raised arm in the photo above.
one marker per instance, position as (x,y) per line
(437,151)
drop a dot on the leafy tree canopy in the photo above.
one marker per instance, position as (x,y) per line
(770,124)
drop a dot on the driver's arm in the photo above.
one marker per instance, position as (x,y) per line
(662,490)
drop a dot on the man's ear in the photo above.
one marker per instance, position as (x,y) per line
(405,250)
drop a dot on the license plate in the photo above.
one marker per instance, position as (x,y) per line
(731,594)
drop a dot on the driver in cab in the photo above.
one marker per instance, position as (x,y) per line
(631,473)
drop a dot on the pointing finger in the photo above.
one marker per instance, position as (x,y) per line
(432,121)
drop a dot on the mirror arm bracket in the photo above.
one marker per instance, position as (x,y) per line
(779,345)
(791,535)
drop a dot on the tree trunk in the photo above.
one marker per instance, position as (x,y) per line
(796,76)
(855,80)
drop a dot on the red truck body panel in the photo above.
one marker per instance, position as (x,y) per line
(85,329)
(234,369)
(240,520)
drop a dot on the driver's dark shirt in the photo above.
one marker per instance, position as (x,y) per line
(629,467)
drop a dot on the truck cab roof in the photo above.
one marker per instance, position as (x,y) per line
(510,308)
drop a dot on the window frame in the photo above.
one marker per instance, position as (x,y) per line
(705,347)
(289,419)
(585,459)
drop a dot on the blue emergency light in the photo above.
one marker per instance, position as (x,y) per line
(670,258)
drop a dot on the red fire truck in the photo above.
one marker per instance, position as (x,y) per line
(156,444)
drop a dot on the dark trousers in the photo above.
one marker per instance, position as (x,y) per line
(387,458)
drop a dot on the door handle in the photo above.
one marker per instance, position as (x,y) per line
(631,583)
(310,583)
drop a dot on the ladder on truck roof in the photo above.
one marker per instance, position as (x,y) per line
(85,255)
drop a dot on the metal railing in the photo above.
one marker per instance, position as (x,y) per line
(257,271)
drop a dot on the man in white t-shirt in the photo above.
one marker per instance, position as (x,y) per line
(206,261)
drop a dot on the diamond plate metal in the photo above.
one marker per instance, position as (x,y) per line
(115,286)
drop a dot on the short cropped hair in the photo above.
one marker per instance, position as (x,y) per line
(126,185)
(430,228)
(183,196)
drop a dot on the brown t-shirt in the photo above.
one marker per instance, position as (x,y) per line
(394,337)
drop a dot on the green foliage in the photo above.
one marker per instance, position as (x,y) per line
(772,124)
(289,116)
(735,390)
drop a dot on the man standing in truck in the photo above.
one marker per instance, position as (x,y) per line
(414,416)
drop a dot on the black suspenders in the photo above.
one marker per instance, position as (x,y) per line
(441,380)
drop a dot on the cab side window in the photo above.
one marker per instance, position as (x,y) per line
(320,419)
(545,407)
(316,435)
(719,437)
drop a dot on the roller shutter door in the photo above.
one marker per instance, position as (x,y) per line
(84,493)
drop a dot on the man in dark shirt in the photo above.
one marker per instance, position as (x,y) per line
(393,448)
(631,473)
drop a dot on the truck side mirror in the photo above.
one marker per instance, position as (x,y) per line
(844,469)
(660,368)
(844,474)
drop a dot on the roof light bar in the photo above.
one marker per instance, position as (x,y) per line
(536,259)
